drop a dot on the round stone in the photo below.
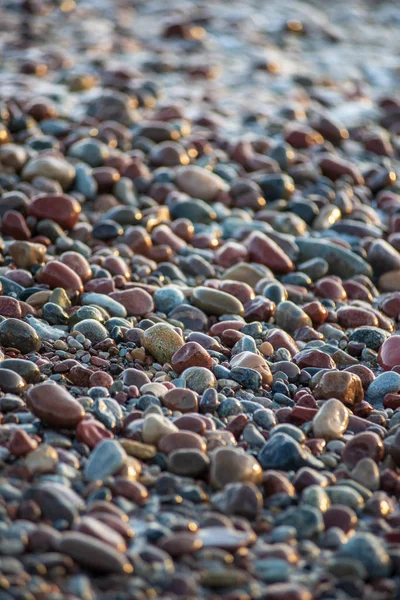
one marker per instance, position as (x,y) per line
(25,368)
(188,462)
(230,465)
(363,445)
(199,379)
(389,353)
(92,330)
(181,400)
(20,335)
(162,341)
(11,382)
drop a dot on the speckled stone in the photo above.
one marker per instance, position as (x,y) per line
(162,341)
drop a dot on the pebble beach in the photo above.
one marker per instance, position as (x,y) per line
(199,300)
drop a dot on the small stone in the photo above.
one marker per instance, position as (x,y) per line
(18,334)
(389,353)
(199,379)
(92,330)
(343,385)
(11,382)
(230,465)
(61,208)
(215,302)
(363,445)
(55,274)
(290,317)
(385,383)
(51,167)
(199,183)
(188,462)
(42,460)
(181,400)
(331,420)
(54,405)
(155,427)
(107,458)
(284,453)
(162,341)
(369,550)
(367,473)
(190,354)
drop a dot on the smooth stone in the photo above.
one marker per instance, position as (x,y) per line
(61,208)
(42,460)
(20,335)
(307,521)
(92,330)
(369,550)
(53,405)
(290,317)
(155,427)
(26,254)
(225,537)
(114,308)
(191,317)
(181,400)
(363,445)
(199,379)
(342,262)
(199,183)
(253,361)
(246,273)
(284,453)
(265,251)
(331,420)
(55,274)
(11,382)
(389,353)
(181,440)
(231,465)
(367,473)
(51,167)
(137,302)
(91,553)
(168,298)
(162,341)
(188,462)
(107,458)
(215,302)
(25,368)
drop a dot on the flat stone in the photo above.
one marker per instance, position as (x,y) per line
(215,302)
(199,183)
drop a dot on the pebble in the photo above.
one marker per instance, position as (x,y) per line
(162,341)
(215,302)
(199,302)
(107,458)
(331,420)
(230,465)
(20,335)
(54,405)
